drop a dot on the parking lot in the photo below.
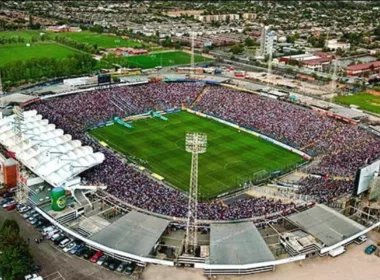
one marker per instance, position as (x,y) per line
(57,265)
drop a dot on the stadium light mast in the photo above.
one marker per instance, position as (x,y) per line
(196,143)
(333,82)
(192,52)
(22,185)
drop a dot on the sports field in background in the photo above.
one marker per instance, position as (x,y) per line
(365,101)
(161,59)
(102,40)
(10,53)
(231,155)
(26,34)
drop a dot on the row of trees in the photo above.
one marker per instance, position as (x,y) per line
(20,40)
(77,45)
(20,72)
(15,258)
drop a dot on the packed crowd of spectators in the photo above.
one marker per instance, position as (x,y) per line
(344,147)
(324,190)
(96,106)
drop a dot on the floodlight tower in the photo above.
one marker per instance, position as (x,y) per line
(22,186)
(196,143)
(192,52)
(333,82)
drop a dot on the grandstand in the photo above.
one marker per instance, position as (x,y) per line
(134,201)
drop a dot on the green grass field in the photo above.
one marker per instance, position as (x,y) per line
(27,34)
(162,59)
(365,101)
(102,40)
(10,53)
(231,155)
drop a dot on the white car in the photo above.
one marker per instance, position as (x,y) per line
(69,247)
(55,235)
(24,209)
(48,229)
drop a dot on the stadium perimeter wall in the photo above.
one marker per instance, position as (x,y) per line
(278,143)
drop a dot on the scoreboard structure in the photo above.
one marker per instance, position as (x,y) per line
(104,79)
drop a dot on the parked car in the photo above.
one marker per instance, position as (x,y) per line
(370,249)
(33,216)
(48,229)
(361,239)
(27,214)
(88,253)
(5,200)
(41,223)
(107,262)
(35,268)
(54,234)
(24,208)
(130,268)
(95,258)
(121,267)
(101,260)
(11,207)
(76,248)
(69,247)
(64,242)
(58,236)
(114,265)
(9,202)
(8,194)
(34,221)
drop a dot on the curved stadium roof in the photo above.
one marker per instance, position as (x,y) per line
(46,150)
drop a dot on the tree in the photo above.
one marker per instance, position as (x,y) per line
(249,42)
(15,258)
(237,48)
(339,51)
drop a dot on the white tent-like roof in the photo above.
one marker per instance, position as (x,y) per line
(46,150)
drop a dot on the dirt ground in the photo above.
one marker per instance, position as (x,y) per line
(373,92)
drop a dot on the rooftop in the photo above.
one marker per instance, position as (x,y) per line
(363,66)
(237,243)
(134,233)
(326,224)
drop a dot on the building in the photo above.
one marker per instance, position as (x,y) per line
(360,69)
(311,61)
(268,42)
(63,28)
(224,17)
(333,44)
(249,16)
(127,51)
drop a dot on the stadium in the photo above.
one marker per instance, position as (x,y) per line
(271,171)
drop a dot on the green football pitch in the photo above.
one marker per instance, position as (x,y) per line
(231,155)
(102,40)
(365,101)
(26,34)
(11,53)
(163,59)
